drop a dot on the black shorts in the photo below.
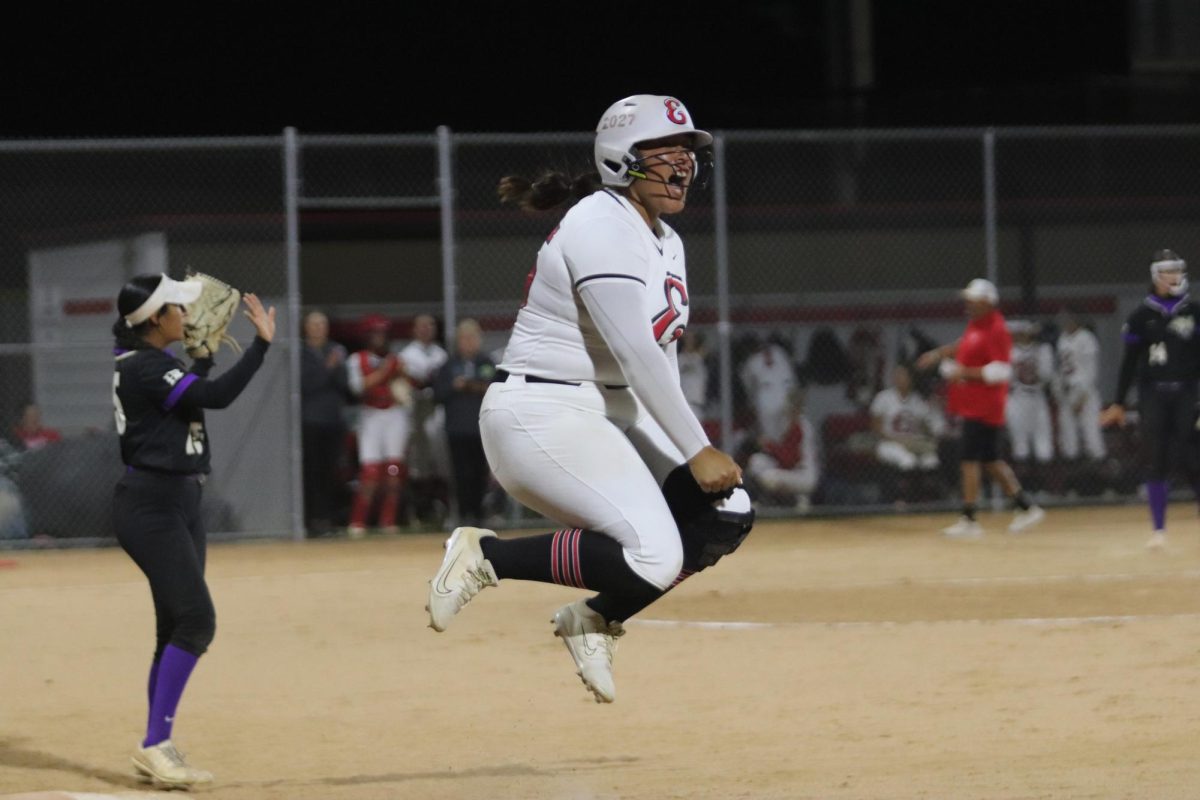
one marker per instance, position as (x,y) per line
(980,441)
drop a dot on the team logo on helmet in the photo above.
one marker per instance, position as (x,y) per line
(675,111)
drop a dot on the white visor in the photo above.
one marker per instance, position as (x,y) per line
(168,291)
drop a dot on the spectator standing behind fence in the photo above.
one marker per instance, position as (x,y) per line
(459,387)
(1161,352)
(323,389)
(788,463)
(906,425)
(1028,413)
(159,412)
(978,375)
(1077,390)
(376,376)
(30,434)
(427,459)
(769,380)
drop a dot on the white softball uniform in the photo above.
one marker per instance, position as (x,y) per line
(1078,369)
(605,305)
(905,418)
(383,426)
(1028,413)
(769,380)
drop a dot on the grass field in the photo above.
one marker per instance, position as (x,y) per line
(847,658)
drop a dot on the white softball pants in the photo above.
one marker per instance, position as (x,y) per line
(382,434)
(587,457)
(1029,426)
(1085,426)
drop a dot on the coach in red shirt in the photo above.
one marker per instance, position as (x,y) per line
(978,370)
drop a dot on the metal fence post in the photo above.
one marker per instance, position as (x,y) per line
(989,205)
(446,196)
(721,245)
(291,195)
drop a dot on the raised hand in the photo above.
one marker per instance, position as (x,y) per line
(263,319)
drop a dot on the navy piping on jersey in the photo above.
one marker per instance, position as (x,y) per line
(587,278)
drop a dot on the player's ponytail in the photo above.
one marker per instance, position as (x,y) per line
(550,190)
(133,295)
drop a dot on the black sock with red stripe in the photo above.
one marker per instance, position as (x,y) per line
(618,608)
(571,557)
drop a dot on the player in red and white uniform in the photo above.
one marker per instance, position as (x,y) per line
(383,427)
(1078,391)
(589,425)
(1028,413)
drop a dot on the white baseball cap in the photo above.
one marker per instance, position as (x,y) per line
(167,291)
(981,289)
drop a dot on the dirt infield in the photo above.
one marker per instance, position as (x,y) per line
(855,658)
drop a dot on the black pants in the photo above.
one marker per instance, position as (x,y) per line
(158,524)
(322,449)
(470,474)
(1168,429)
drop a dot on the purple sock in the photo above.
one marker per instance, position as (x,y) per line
(150,684)
(1156,492)
(169,681)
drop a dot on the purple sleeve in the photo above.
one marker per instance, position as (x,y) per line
(178,390)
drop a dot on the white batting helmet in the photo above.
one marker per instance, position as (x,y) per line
(1168,261)
(636,119)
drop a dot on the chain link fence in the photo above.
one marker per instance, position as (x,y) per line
(77,219)
(819,264)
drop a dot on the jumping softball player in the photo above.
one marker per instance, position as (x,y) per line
(587,423)
(1161,352)
(159,408)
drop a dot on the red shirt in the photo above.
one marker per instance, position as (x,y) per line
(788,451)
(985,340)
(34,440)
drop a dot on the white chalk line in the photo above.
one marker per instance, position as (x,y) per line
(1032,622)
(980,580)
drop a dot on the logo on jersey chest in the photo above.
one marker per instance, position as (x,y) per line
(670,323)
(1183,327)
(173,377)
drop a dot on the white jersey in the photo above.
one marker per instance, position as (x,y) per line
(1032,368)
(769,380)
(422,361)
(904,416)
(1078,362)
(601,238)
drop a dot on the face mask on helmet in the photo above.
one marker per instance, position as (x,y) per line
(1169,274)
(645,119)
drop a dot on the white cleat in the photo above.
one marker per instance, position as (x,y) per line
(356,532)
(964,529)
(165,767)
(591,642)
(1157,541)
(464,573)
(1026,519)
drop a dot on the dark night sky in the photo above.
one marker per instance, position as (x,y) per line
(189,68)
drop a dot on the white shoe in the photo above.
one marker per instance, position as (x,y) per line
(1157,541)
(165,766)
(591,642)
(356,532)
(464,573)
(964,529)
(1026,519)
